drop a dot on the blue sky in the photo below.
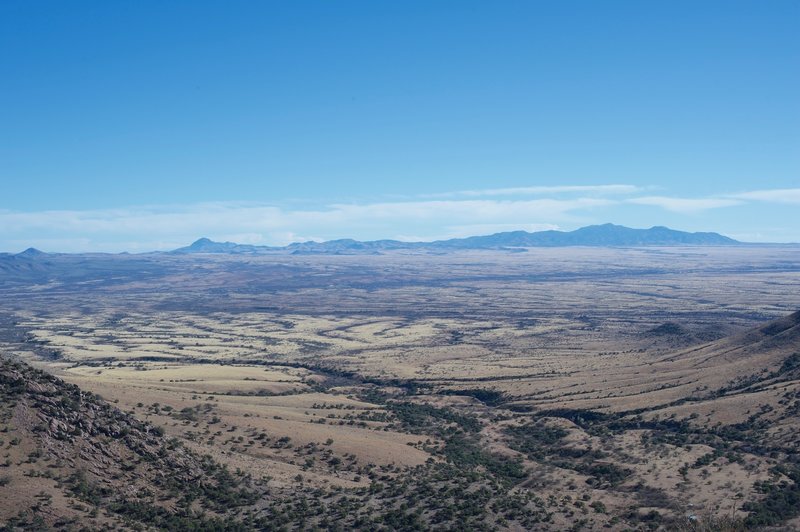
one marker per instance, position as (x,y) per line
(144,125)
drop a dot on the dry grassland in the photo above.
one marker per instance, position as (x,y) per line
(292,374)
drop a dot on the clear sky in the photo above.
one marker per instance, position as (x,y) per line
(144,125)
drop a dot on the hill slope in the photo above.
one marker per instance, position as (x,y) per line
(734,365)
(69,454)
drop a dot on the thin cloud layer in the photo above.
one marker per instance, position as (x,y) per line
(542,191)
(464,213)
(685,205)
(789,196)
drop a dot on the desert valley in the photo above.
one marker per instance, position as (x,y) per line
(512,388)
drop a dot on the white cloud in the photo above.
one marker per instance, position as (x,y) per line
(541,191)
(491,210)
(684,205)
(777,195)
(789,196)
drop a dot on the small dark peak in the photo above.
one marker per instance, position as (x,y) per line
(202,242)
(31,253)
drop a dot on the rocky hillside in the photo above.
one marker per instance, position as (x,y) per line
(70,458)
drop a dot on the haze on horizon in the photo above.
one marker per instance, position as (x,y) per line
(143,127)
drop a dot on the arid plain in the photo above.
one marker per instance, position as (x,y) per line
(550,388)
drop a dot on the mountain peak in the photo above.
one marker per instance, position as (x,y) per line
(202,243)
(206,245)
(607,234)
(31,253)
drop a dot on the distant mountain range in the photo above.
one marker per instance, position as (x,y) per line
(606,235)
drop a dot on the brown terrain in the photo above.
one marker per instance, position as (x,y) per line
(552,389)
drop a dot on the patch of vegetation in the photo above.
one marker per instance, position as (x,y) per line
(465,453)
(484,395)
(791,364)
(532,437)
(423,416)
(781,500)
(542,443)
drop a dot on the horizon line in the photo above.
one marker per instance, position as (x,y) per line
(32,249)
